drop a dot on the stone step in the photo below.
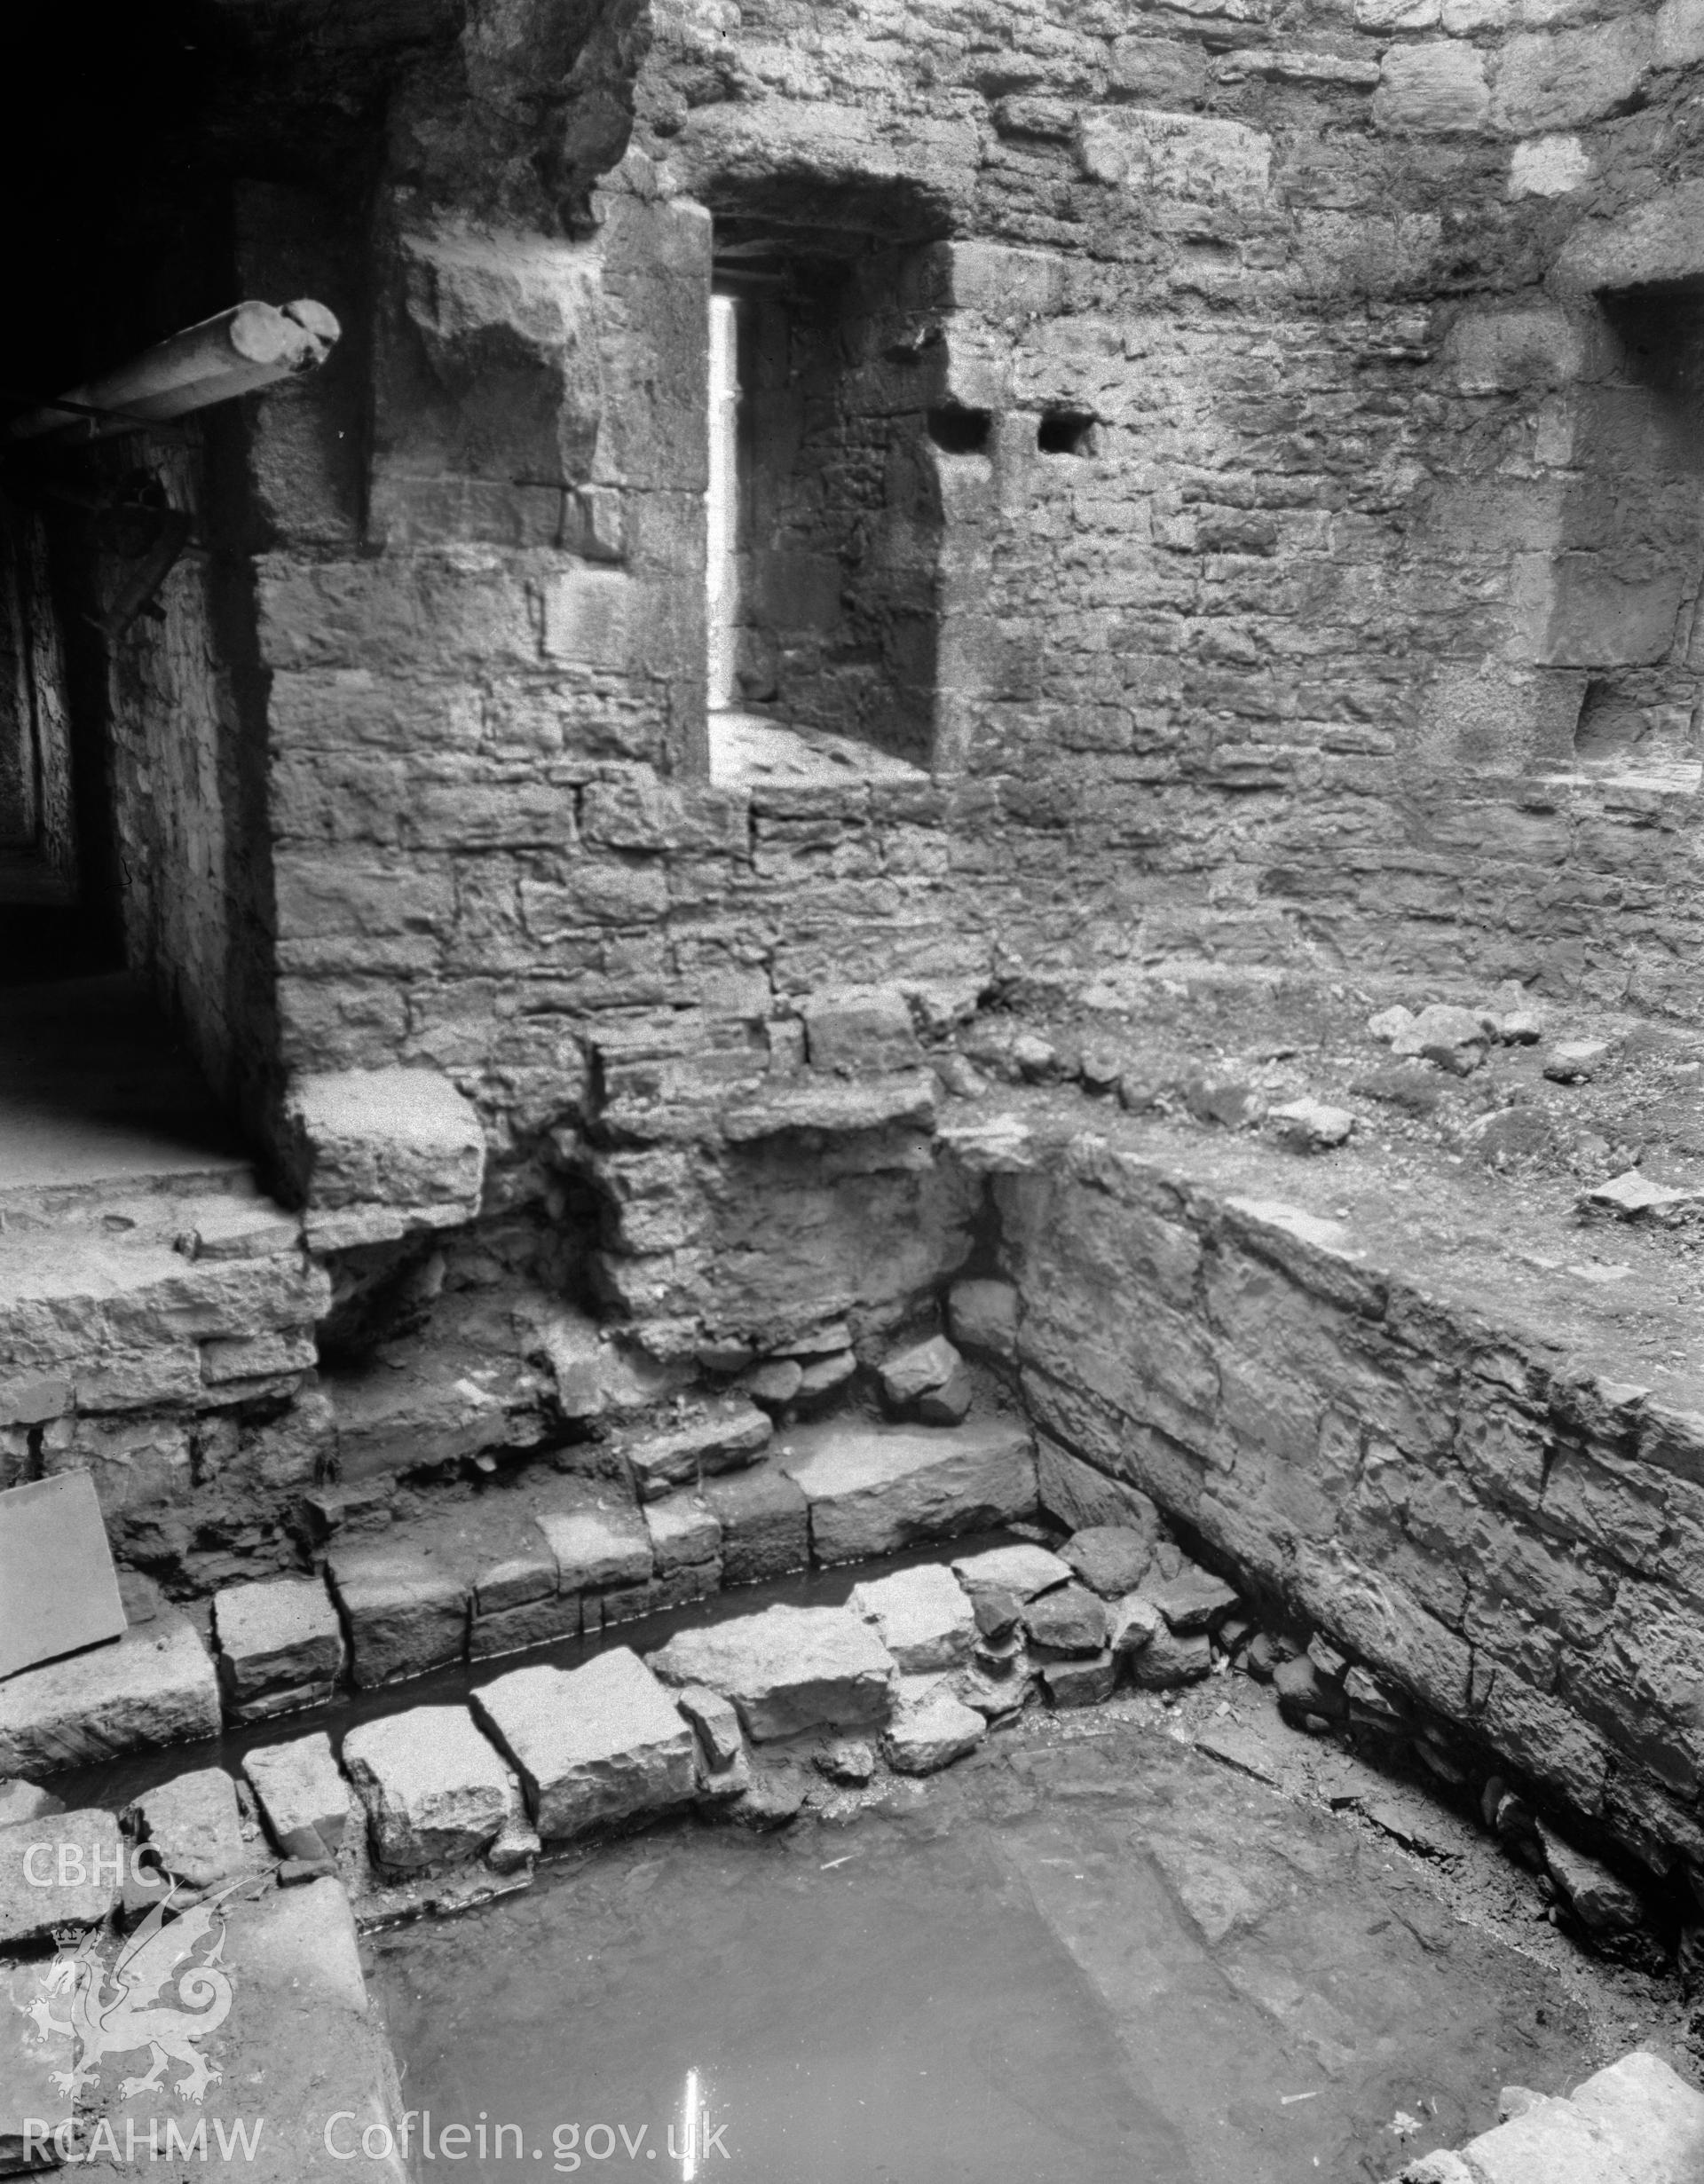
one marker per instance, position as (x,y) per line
(156,1685)
(872,1489)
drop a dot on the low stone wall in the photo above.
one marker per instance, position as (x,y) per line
(1509,1536)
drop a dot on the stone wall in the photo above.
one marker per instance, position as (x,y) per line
(1509,1531)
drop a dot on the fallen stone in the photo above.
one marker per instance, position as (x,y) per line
(277,1636)
(54,1525)
(929,1381)
(1087,1681)
(922,1616)
(1070,1619)
(719,1786)
(1373,1706)
(64,1869)
(21,1800)
(1022,1570)
(1576,1062)
(729,1436)
(1632,1197)
(873,1489)
(685,1533)
(765,1525)
(601,1743)
(1034,1060)
(1520,1025)
(1226,1105)
(434,1789)
(931,1728)
(516,1845)
(1652,2117)
(774,1798)
(1601,1903)
(983,1316)
(716,1721)
(787,1669)
(850,1761)
(1194,1600)
(1134,1624)
(1453,1038)
(405,1613)
(1110,1560)
(1168,1661)
(599,1546)
(299,1789)
(194,1828)
(1311,1125)
(1391,1023)
(156,1685)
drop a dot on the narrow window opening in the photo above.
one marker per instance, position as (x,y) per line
(956,432)
(721,526)
(1066,432)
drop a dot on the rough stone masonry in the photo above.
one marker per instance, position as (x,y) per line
(1220,557)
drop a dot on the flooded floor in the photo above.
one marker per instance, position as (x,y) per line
(1099,1956)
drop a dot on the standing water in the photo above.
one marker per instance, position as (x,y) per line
(1095,1957)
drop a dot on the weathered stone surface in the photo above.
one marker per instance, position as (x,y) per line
(434,1788)
(983,1316)
(1079,1495)
(1453,1038)
(1168,1661)
(927,1380)
(1069,1620)
(1654,2118)
(54,1524)
(1432,90)
(787,1669)
(1311,1125)
(405,1613)
(1110,1560)
(684,1531)
(1133,1624)
(872,1489)
(156,1686)
(535,1623)
(277,1635)
(21,1800)
(860,1031)
(931,1728)
(299,1788)
(716,1721)
(849,1759)
(194,1827)
(1084,1682)
(922,1616)
(400,1138)
(1192,1600)
(594,1745)
(1022,1570)
(599,1545)
(726,1438)
(62,1869)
